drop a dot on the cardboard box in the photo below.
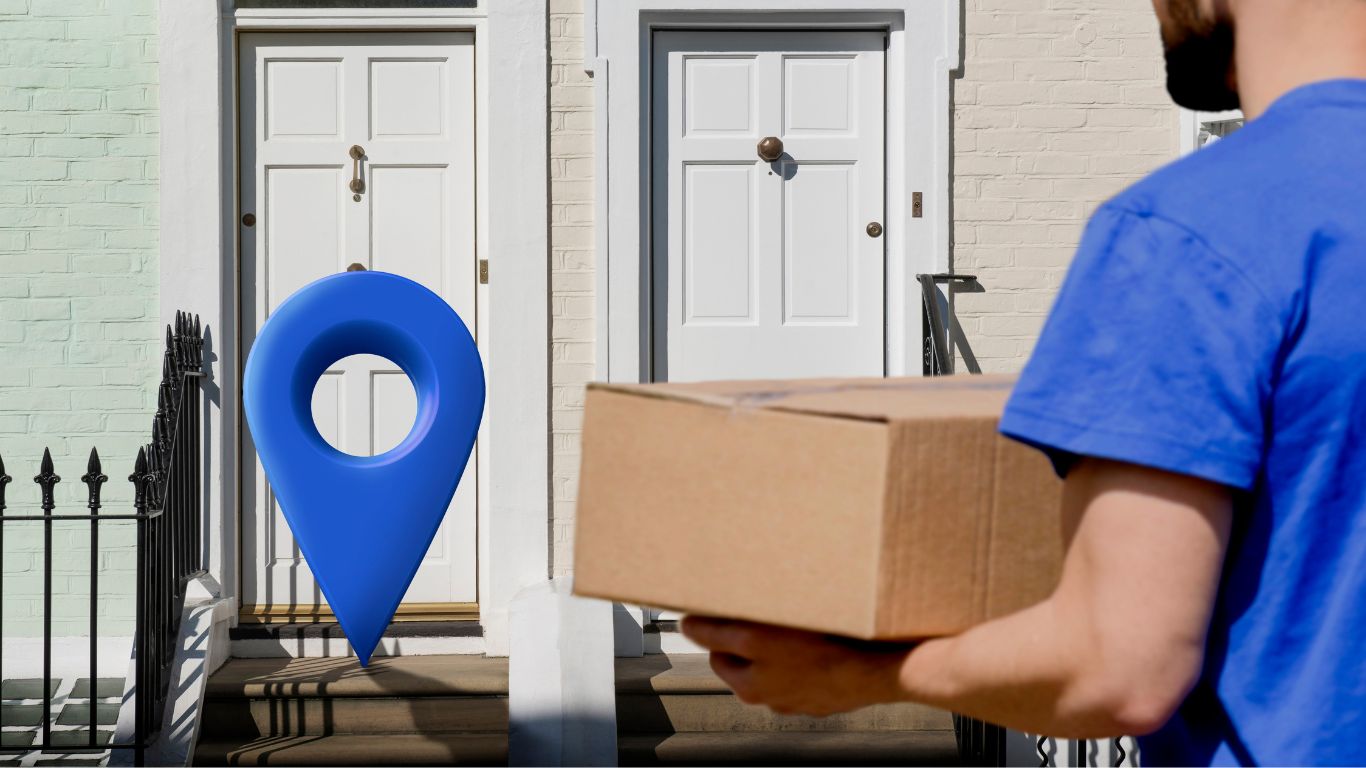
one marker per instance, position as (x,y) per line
(872,508)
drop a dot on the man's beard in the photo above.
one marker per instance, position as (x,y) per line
(1199,54)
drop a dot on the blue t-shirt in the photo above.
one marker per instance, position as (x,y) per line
(1214,324)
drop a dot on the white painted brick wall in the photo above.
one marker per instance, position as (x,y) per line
(571,269)
(1060,106)
(78,281)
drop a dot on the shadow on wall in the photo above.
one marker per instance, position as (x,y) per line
(958,340)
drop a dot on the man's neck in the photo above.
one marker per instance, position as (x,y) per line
(1283,44)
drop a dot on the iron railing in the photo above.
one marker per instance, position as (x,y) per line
(167,514)
(937,341)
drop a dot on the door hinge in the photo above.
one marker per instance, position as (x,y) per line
(483,271)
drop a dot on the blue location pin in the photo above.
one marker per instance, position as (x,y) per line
(364,522)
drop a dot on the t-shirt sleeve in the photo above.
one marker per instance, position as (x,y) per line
(1158,352)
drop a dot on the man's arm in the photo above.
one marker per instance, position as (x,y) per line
(1113,651)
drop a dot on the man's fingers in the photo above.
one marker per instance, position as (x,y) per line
(721,635)
(735,672)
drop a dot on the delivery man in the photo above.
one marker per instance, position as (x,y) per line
(1201,384)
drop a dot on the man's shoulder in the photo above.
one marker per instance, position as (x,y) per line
(1219,186)
(1266,189)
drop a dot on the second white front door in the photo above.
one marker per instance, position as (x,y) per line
(357,149)
(768,258)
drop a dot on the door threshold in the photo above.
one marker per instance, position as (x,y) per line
(332,630)
(326,639)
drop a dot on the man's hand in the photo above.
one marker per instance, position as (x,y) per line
(795,672)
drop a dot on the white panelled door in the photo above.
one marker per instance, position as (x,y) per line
(768,269)
(406,100)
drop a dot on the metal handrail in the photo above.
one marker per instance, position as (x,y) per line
(938,352)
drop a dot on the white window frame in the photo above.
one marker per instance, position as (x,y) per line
(1193,124)
(200,256)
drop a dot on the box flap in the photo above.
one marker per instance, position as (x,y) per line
(896,399)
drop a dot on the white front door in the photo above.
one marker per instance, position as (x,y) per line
(406,99)
(768,269)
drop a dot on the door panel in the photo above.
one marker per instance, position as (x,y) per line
(820,252)
(719,266)
(719,96)
(408,227)
(765,269)
(819,95)
(304,98)
(408,100)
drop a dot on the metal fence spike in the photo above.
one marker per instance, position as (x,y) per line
(4,480)
(93,478)
(47,479)
(138,479)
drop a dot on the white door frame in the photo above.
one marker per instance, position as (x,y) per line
(924,46)
(199,264)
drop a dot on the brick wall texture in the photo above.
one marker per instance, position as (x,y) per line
(1060,105)
(78,282)
(571,269)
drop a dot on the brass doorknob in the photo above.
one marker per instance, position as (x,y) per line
(874,229)
(770,148)
(356,267)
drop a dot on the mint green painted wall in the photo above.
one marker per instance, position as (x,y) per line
(79,349)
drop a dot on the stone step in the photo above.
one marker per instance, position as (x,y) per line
(359,749)
(787,748)
(725,713)
(423,710)
(242,718)
(341,677)
(680,694)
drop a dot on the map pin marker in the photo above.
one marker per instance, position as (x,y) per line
(364,522)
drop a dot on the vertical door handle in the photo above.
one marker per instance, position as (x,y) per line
(357,183)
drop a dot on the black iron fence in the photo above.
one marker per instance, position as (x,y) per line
(167,513)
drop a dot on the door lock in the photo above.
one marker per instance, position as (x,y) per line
(874,229)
